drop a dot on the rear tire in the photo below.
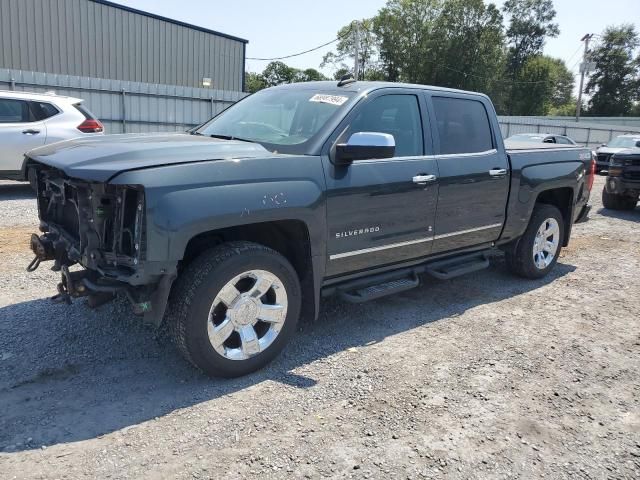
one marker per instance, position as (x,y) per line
(618,202)
(537,251)
(234,308)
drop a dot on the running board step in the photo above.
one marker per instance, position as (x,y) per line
(380,290)
(458,266)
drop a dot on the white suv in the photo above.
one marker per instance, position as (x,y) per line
(30,120)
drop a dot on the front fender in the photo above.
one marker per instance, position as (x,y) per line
(181,215)
(183,201)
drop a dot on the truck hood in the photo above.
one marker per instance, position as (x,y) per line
(101,158)
(610,149)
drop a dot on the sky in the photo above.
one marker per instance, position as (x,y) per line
(280,27)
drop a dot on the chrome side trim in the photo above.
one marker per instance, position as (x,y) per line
(471,230)
(411,242)
(377,249)
(462,155)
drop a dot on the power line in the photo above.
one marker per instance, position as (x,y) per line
(574,54)
(520,82)
(580,60)
(340,37)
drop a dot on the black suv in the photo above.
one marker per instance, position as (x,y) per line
(622,188)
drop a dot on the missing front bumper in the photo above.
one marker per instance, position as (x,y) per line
(148,300)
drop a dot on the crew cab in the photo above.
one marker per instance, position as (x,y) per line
(227,235)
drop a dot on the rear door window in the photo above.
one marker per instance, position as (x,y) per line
(563,141)
(43,110)
(15,111)
(463,126)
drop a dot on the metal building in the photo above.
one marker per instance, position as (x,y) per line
(101,39)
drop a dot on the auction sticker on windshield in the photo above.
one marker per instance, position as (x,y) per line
(331,99)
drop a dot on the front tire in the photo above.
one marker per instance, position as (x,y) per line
(537,251)
(234,308)
(617,202)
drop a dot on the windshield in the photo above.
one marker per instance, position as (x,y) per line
(282,119)
(623,142)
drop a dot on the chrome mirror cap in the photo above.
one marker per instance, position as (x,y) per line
(371,139)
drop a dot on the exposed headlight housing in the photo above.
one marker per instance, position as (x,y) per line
(102,225)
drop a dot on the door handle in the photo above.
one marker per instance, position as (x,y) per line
(424,179)
(498,172)
(31,132)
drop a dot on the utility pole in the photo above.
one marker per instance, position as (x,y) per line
(583,70)
(356,53)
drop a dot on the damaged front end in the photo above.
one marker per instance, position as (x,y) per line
(100,227)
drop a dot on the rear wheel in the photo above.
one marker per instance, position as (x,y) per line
(538,249)
(234,308)
(618,202)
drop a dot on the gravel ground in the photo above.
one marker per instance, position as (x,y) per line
(484,376)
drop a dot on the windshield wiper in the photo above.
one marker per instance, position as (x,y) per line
(229,137)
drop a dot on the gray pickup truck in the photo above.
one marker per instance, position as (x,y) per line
(230,233)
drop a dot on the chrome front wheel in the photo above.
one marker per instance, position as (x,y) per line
(247,315)
(233,309)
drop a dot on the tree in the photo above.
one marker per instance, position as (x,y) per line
(615,82)
(308,75)
(405,30)
(277,73)
(341,72)
(543,84)
(563,83)
(530,24)
(453,43)
(566,110)
(254,82)
(469,38)
(345,48)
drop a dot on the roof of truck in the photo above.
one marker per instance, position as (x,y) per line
(364,86)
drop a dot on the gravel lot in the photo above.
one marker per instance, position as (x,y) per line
(485,376)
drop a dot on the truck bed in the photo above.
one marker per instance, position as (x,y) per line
(517,146)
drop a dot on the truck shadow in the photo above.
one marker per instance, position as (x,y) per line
(16,191)
(628,215)
(69,373)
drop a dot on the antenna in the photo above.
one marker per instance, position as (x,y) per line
(346,80)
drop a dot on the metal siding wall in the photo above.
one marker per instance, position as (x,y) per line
(84,38)
(149,107)
(633,122)
(590,134)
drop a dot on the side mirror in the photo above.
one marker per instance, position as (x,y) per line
(638,144)
(365,146)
